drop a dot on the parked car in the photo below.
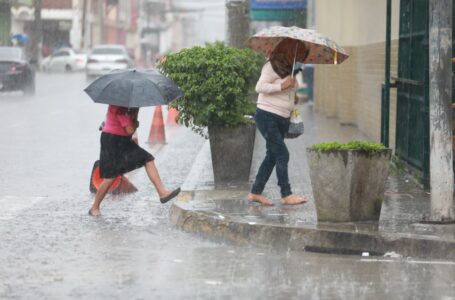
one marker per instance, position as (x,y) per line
(16,73)
(65,60)
(105,58)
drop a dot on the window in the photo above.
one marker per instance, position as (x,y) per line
(61,53)
(108,51)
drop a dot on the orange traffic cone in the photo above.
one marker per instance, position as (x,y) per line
(172,115)
(157,134)
(121,184)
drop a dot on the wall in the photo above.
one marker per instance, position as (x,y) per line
(351,91)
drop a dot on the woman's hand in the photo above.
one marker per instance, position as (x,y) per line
(132,128)
(288,82)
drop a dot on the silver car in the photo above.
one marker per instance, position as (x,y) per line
(65,60)
(105,58)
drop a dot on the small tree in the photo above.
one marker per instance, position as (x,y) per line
(217,82)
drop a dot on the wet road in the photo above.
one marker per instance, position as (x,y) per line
(51,249)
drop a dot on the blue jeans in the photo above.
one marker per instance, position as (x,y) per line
(273,128)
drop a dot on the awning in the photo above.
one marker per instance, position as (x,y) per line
(277,15)
(278,4)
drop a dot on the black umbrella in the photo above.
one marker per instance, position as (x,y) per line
(134,88)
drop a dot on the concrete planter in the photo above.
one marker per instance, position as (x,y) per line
(232,152)
(348,185)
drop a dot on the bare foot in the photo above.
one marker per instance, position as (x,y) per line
(293,200)
(94,212)
(260,199)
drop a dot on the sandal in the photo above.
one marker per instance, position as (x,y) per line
(170,196)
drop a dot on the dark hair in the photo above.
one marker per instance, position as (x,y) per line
(132,112)
(281,65)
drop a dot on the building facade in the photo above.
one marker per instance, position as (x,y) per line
(354,93)
(351,91)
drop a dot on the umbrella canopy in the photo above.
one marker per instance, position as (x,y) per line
(305,45)
(134,88)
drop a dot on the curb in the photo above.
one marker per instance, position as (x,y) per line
(222,229)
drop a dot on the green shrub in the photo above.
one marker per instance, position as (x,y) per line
(366,146)
(217,82)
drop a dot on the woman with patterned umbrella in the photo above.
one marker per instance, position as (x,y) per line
(283,46)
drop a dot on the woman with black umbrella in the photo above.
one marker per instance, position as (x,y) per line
(126,91)
(120,154)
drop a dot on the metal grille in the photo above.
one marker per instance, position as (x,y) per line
(412,135)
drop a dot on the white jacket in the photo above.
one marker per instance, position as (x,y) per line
(271,98)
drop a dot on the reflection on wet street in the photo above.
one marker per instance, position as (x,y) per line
(51,248)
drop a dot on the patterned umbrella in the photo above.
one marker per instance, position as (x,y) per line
(322,50)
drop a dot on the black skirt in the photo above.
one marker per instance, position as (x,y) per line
(120,155)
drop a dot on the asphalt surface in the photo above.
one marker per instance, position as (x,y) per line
(51,249)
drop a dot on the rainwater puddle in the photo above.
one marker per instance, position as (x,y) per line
(13,205)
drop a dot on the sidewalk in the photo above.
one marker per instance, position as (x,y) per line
(224,214)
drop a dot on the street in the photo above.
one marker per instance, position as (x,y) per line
(51,248)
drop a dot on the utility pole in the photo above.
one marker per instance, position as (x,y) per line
(117,22)
(37,33)
(101,20)
(441,155)
(84,17)
(238,22)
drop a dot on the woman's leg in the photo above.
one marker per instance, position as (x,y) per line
(282,161)
(263,175)
(280,152)
(263,122)
(100,194)
(155,178)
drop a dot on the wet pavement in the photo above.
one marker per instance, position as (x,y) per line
(51,248)
(399,230)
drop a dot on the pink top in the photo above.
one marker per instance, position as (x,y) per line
(117,119)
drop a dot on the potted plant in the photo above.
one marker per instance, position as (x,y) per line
(217,82)
(348,180)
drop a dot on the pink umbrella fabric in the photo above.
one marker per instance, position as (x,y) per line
(322,50)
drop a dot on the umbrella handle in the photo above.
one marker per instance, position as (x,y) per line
(293,68)
(295,57)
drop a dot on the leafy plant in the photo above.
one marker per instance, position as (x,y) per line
(366,146)
(217,82)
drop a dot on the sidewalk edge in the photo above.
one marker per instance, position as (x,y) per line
(210,225)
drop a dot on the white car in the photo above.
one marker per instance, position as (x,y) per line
(65,60)
(106,58)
